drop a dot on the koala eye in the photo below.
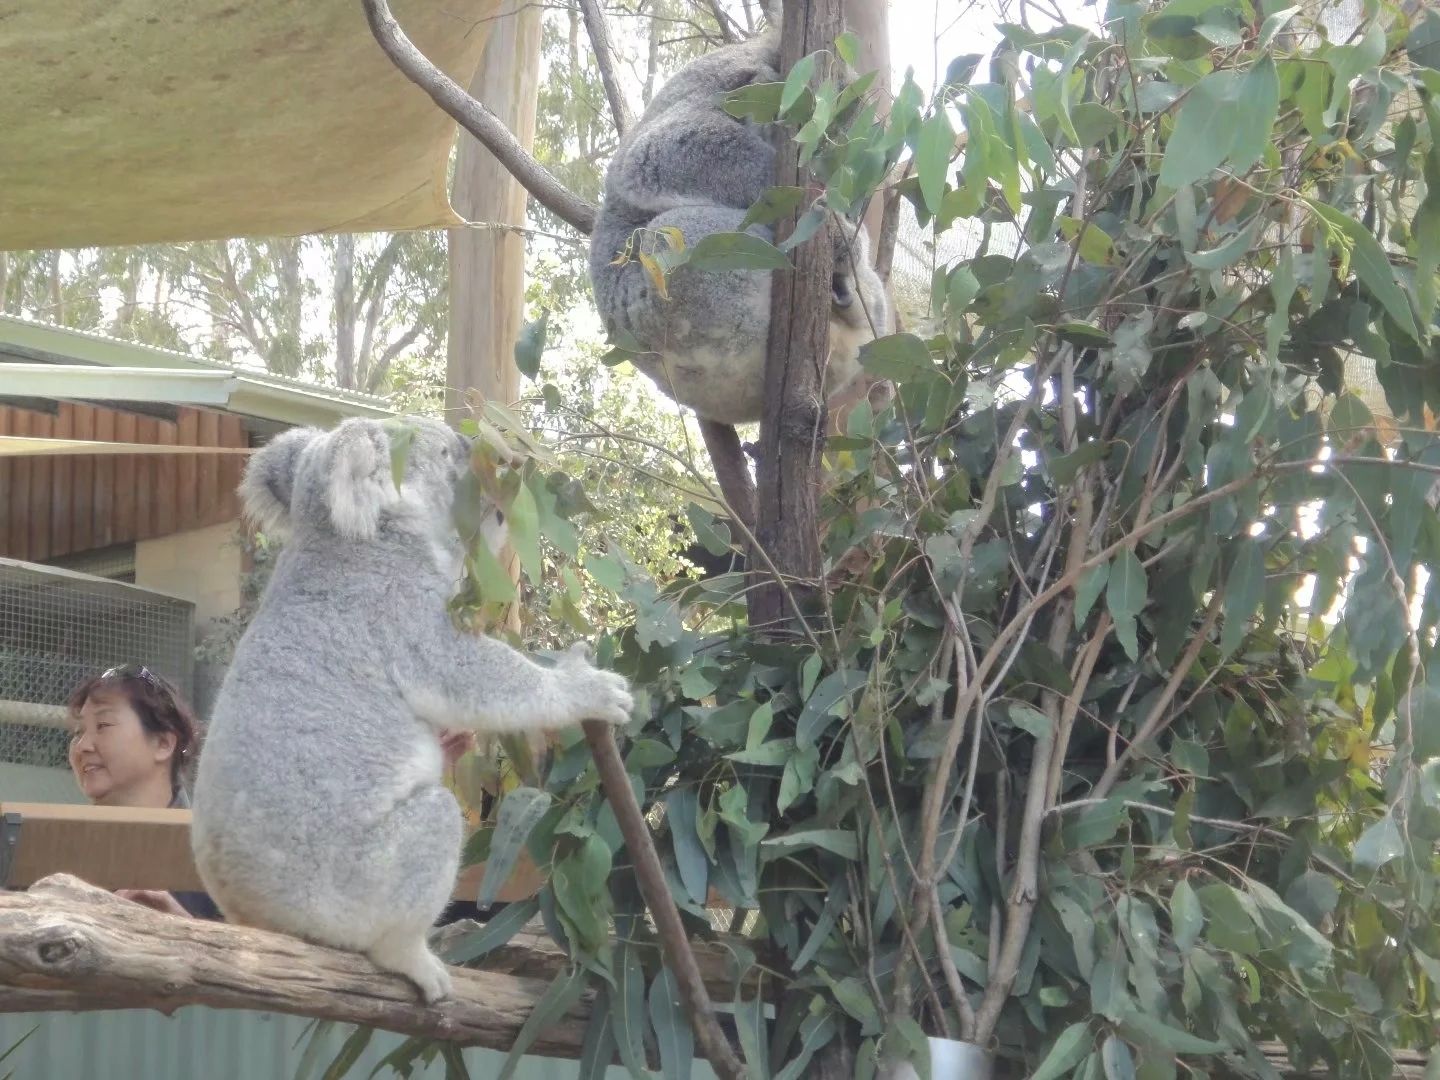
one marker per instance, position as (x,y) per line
(840,294)
(499,517)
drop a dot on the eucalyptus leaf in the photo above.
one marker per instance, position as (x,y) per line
(530,346)
(559,998)
(672,1027)
(1186,917)
(682,814)
(735,251)
(1067,1051)
(520,811)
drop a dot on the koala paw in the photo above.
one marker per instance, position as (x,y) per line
(413,959)
(596,694)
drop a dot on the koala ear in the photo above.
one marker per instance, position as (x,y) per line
(269,480)
(360,488)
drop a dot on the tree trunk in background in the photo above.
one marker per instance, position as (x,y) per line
(487,266)
(345,311)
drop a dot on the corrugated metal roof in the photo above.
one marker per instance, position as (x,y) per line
(254,392)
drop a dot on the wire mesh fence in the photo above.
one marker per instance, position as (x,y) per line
(56,628)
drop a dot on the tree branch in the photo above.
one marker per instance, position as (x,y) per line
(475,118)
(656,892)
(726,24)
(68,945)
(603,50)
(731,472)
(1155,720)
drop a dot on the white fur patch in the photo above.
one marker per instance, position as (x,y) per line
(361,487)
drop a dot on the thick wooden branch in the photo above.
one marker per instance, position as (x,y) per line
(475,118)
(598,28)
(67,945)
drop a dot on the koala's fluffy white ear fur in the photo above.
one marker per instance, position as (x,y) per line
(360,487)
(269,481)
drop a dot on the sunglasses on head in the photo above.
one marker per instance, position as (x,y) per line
(133,671)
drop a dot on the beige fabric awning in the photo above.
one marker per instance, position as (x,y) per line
(139,121)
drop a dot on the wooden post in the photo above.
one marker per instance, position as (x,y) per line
(487,265)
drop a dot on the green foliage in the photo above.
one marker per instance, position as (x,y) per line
(1115,713)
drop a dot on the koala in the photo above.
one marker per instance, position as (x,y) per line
(690,165)
(319,810)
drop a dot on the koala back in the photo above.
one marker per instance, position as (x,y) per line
(363,575)
(311,740)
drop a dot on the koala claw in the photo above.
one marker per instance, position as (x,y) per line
(612,701)
(599,695)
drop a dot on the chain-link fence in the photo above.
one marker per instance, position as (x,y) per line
(56,628)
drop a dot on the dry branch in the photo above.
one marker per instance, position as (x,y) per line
(598,28)
(475,118)
(66,945)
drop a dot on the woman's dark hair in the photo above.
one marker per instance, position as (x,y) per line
(156,701)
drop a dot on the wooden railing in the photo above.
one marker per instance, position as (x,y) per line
(132,848)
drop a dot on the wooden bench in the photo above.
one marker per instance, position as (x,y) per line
(117,847)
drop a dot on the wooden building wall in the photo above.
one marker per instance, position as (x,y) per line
(58,505)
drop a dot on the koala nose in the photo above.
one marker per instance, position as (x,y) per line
(840,294)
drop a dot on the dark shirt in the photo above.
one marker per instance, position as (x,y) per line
(196,903)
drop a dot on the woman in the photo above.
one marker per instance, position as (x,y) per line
(134,739)
(134,736)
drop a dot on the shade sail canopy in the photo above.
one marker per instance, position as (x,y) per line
(135,121)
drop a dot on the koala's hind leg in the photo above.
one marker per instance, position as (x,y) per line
(407,867)
(406,953)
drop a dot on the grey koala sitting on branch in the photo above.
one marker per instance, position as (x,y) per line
(319,809)
(690,165)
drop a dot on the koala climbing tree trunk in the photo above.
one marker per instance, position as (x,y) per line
(792,430)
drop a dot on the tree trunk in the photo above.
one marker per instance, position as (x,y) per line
(57,299)
(792,429)
(345,311)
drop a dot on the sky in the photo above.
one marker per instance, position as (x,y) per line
(926,34)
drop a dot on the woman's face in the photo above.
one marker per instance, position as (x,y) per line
(115,760)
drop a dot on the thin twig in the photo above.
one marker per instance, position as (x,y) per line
(1155,719)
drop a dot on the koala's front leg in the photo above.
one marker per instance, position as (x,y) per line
(484,684)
